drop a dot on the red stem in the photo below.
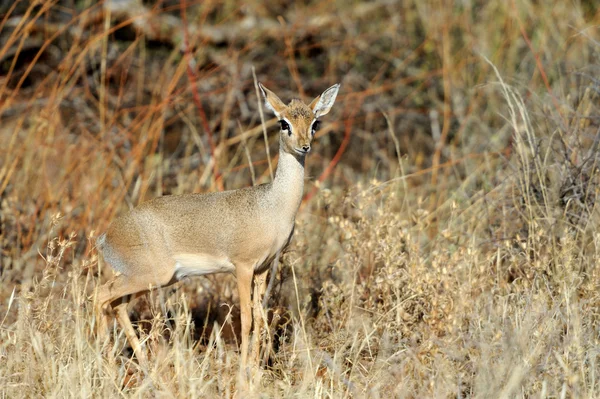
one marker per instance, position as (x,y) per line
(196,95)
(338,155)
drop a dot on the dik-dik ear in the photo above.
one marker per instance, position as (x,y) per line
(322,104)
(272,101)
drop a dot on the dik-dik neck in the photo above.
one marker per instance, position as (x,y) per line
(288,185)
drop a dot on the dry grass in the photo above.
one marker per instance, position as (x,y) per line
(447,247)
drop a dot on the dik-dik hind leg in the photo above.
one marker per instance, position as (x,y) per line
(120,287)
(125,322)
(260,286)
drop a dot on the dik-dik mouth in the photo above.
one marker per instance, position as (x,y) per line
(302,151)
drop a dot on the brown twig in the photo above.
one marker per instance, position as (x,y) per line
(196,95)
(446,60)
(291,59)
(538,63)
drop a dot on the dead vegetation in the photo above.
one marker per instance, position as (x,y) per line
(448,243)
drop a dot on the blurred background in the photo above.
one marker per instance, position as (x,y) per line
(457,168)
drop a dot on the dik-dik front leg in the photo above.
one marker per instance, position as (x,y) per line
(244,276)
(260,320)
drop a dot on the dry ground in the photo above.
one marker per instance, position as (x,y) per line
(448,242)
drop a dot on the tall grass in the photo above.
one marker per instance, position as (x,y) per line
(447,245)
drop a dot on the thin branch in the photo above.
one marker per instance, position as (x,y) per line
(338,155)
(196,94)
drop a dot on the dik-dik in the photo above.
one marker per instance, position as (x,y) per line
(239,231)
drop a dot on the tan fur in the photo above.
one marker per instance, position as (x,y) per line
(237,231)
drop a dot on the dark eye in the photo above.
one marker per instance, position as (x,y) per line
(285,127)
(315,126)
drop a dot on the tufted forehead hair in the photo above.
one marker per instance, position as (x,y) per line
(296,109)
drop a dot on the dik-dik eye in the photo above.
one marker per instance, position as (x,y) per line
(315,126)
(285,127)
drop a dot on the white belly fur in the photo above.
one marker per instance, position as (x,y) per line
(200,264)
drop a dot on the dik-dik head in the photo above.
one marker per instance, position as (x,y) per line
(298,121)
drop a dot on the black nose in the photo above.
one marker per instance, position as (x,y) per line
(306,148)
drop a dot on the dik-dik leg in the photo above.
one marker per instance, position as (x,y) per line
(244,281)
(260,286)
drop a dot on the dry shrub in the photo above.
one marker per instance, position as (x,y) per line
(452,251)
(502,300)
